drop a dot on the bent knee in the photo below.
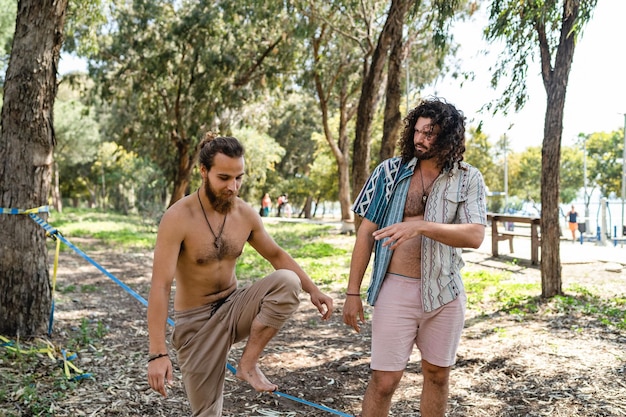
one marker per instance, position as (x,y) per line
(283,297)
(288,280)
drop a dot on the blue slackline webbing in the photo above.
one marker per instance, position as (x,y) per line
(53,232)
(300,400)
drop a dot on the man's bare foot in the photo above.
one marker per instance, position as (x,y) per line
(256,378)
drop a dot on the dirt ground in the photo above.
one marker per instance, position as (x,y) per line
(546,364)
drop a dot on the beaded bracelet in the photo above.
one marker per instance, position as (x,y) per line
(356,295)
(160,355)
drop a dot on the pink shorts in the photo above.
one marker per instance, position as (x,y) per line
(400,322)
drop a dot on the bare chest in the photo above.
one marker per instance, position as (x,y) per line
(202,248)
(416,199)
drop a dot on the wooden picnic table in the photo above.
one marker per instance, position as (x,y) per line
(499,234)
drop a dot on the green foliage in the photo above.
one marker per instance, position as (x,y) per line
(521,25)
(609,312)
(263,153)
(479,153)
(186,68)
(293,122)
(81,29)
(604,154)
(8,13)
(323,172)
(571,173)
(525,174)
(488,290)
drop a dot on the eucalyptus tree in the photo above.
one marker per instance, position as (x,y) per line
(27,141)
(351,44)
(434,25)
(340,36)
(171,70)
(549,29)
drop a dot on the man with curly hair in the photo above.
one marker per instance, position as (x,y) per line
(418,211)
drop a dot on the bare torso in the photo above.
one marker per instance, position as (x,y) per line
(407,258)
(204,273)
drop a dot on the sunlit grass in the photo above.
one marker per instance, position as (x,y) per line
(113,229)
(326,263)
(489,291)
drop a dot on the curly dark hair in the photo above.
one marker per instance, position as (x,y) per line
(212,145)
(449,146)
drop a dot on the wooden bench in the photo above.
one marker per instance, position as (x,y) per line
(506,236)
(499,235)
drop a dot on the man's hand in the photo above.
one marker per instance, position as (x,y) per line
(320,300)
(353,312)
(160,371)
(397,233)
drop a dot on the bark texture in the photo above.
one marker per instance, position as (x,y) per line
(555,82)
(26,145)
(370,93)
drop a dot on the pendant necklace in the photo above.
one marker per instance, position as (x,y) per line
(424,193)
(218,238)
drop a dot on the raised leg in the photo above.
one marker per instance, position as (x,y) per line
(248,368)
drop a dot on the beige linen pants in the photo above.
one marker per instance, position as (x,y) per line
(204,335)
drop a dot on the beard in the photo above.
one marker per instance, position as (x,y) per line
(424,155)
(221,202)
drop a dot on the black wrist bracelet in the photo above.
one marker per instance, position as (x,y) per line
(160,355)
(356,295)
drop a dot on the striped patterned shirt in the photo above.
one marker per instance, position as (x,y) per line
(457,196)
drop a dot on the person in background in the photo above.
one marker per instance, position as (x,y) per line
(199,241)
(572,221)
(266,205)
(282,201)
(287,210)
(418,211)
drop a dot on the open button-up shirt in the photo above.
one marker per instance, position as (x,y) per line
(457,196)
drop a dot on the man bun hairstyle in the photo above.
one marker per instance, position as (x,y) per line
(213,144)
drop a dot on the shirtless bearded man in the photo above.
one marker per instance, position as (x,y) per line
(199,240)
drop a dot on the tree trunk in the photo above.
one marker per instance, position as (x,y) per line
(555,81)
(26,145)
(186,162)
(370,95)
(393,119)
(340,147)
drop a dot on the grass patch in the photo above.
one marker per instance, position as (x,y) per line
(112,229)
(326,263)
(489,291)
(610,312)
